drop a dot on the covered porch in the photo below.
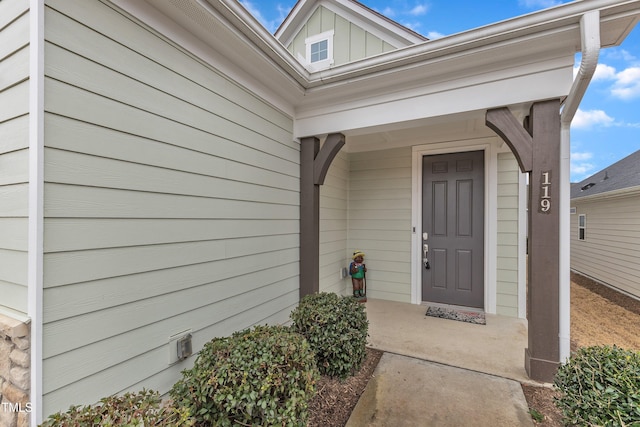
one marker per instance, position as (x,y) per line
(394,195)
(496,348)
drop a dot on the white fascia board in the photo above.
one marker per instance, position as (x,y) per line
(294,22)
(437,74)
(254,55)
(378,25)
(242,23)
(562,22)
(438,100)
(557,27)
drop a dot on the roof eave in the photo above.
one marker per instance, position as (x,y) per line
(622,192)
(565,17)
(238,36)
(301,11)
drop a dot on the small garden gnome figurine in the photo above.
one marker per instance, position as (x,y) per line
(357,270)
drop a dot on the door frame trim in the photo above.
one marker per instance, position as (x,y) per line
(489,146)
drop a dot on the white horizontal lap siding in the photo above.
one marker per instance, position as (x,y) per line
(380,220)
(610,251)
(171,204)
(333,225)
(507,242)
(14,155)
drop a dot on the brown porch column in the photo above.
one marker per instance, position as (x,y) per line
(309,218)
(538,152)
(314,164)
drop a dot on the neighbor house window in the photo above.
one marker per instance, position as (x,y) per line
(582,226)
(320,50)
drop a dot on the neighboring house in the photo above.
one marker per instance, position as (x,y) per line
(161,175)
(605,227)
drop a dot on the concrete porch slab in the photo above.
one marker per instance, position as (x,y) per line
(443,373)
(496,348)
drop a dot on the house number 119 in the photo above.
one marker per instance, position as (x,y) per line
(545,198)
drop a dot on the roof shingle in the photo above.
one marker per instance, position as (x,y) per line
(623,174)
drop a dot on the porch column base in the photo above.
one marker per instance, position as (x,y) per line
(540,369)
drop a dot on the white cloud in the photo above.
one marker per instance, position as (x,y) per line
(581,156)
(419,9)
(283,11)
(587,119)
(604,72)
(581,170)
(271,25)
(580,165)
(412,25)
(627,84)
(254,11)
(619,55)
(432,35)
(389,12)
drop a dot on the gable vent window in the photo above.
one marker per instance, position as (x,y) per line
(582,226)
(320,51)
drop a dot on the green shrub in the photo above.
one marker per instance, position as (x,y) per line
(336,328)
(265,377)
(143,409)
(600,386)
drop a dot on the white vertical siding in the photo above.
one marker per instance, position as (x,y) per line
(14,154)
(610,251)
(507,241)
(171,203)
(333,226)
(380,220)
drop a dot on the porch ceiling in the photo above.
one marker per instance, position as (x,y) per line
(446,128)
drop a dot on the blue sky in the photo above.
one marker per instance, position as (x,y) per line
(605,129)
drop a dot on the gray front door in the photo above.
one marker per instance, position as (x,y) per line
(453,220)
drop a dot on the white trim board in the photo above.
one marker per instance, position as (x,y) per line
(522,244)
(490,148)
(36,201)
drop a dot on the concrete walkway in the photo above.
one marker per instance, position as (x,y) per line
(443,373)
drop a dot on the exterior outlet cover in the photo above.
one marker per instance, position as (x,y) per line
(180,347)
(344,272)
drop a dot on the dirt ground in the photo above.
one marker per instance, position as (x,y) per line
(599,315)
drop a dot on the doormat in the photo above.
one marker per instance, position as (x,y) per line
(460,315)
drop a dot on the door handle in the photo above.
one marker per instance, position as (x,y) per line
(425,259)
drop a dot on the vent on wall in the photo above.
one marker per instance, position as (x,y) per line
(180,347)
